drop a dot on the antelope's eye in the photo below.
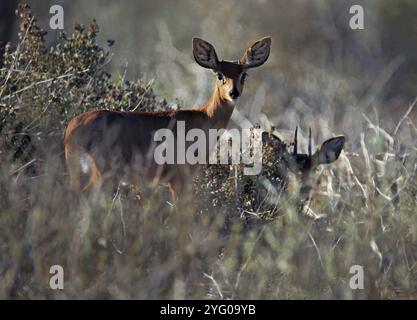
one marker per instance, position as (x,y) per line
(221,78)
(243,77)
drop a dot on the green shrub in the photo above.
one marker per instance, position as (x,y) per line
(42,88)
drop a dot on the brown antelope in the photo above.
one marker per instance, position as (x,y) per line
(286,174)
(105,143)
(328,152)
(296,170)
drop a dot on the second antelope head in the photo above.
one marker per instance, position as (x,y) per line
(287,177)
(328,152)
(231,75)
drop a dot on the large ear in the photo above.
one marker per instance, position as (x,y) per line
(257,53)
(329,151)
(205,54)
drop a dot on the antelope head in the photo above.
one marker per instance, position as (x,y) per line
(231,75)
(328,152)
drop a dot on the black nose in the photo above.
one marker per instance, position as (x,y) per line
(234,94)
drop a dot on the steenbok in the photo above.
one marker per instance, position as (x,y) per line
(106,144)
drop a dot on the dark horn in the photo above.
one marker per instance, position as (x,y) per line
(295,141)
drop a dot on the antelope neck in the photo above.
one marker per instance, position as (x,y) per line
(218,109)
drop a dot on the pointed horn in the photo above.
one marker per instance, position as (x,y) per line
(309,143)
(295,141)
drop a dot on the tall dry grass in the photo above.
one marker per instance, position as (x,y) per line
(362,210)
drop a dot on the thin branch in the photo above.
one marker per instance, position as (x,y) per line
(23,167)
(404,117)
(216,285)
(245,265)
(41,82)
(317,249)
(142,97)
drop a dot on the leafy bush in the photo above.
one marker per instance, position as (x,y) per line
(42,88)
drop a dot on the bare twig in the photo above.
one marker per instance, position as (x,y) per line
(404,117)
(216,285)
(41,82)
(23,167)
(142,97)
(17,54)
(122,220)
(245,265)
(317,249)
